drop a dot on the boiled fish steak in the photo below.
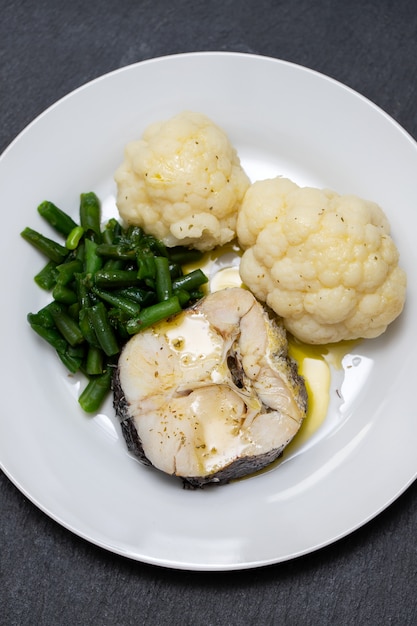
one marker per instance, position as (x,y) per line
(211,394)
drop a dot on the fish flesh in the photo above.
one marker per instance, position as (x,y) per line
(211,394)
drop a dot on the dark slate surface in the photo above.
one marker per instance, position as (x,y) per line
(48,575)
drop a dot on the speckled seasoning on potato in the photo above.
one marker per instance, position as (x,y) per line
(324,262)
(182,182)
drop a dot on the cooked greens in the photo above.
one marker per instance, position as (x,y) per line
(107,283)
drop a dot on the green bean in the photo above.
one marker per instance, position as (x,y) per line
(64,294)
(87,328)
(184,256)
(72,358)
(92,262)
(43,324)
(196,294)
(68,328)
(115,251)
(112,231)
(51,336)
(90,214)
(82,283)
(154,245)
(74,237)
(95,392)
(144,297)
(53,250)
(154,313)
(190,281)
(43,317)
(163,281)
(118,319)
(114,264)
(66,271)
(149,283)
(124,304)
(183,296)
(57,218)
(175,270)
(74,310)
(115,279)
(146,264)
(46,278)
(95,361)
(133,236)
(79,253)
(104,331)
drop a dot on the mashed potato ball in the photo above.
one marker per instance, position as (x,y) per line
(325,263)
(182,182)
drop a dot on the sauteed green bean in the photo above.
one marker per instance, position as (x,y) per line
(107,283)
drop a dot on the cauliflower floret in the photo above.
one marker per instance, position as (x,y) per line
(325,263)
(182,182)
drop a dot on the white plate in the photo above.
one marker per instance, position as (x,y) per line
(283,119)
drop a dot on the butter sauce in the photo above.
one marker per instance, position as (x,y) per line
(193,339)
(315,363)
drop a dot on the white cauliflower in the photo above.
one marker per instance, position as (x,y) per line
(325,263)
(182,182)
